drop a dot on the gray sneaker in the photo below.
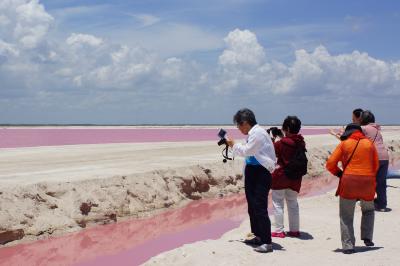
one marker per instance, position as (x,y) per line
(264,248)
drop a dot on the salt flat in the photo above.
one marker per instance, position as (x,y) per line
(81,162)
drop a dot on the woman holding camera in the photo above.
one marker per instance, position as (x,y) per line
(359,159)
(260,159)
(284,188)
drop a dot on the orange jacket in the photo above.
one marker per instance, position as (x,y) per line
(359,178)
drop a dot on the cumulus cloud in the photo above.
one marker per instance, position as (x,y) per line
(242,49)
(243,64)
(81,61)
(346,74)
(24,25)
(84,39)
(122,69)
(32,22)
(7,49)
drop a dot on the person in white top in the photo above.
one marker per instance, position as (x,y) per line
(260,162)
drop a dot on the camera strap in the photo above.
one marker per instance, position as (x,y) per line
(225,154)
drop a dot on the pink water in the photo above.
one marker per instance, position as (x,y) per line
(135,241)
(33,137)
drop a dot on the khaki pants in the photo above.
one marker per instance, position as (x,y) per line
(346,212)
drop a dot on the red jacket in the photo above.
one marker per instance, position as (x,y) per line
(284,150)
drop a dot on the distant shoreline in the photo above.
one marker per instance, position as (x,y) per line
(157,125)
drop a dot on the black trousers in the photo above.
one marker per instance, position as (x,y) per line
(257,185)
(381,200)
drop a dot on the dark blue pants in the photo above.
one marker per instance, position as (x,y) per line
(381,201)
(257,185)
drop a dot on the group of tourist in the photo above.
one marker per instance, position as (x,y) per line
(360,161)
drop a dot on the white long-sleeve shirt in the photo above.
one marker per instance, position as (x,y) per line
(259,145)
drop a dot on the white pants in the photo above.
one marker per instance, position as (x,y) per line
(278,197)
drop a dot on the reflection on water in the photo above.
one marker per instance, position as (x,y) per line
(133,242)
(139,237)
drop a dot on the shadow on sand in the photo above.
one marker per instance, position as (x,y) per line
(359,249)
(275,246)
(303,236)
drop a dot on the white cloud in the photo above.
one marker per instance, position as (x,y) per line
(242,49)
(121,68)
(146,20)
(243,65)
(346,74)
(7,49)
(32,23)
(77,39)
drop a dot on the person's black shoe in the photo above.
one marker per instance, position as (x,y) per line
(349,251)
(368,243)
(255,241)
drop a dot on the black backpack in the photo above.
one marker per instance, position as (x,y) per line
(297,166)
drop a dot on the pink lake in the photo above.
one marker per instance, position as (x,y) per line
(33,137)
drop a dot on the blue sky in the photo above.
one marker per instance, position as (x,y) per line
(68,61)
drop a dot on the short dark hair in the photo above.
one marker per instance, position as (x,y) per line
(357,112)
(367,117)
(244,115)
(292,124)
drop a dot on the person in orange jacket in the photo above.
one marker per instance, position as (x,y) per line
(359,159)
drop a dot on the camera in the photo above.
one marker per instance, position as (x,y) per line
(222,141)
(221,135)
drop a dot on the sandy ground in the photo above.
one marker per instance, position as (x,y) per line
(53,190)
(320,242)
(24,166)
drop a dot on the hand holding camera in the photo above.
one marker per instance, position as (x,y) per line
(225,141)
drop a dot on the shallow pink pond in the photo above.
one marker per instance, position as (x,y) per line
(32,137)
(135,241)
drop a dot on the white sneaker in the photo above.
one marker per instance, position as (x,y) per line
(264,248)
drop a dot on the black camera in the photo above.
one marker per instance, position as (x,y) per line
(222,141)
(221,135)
